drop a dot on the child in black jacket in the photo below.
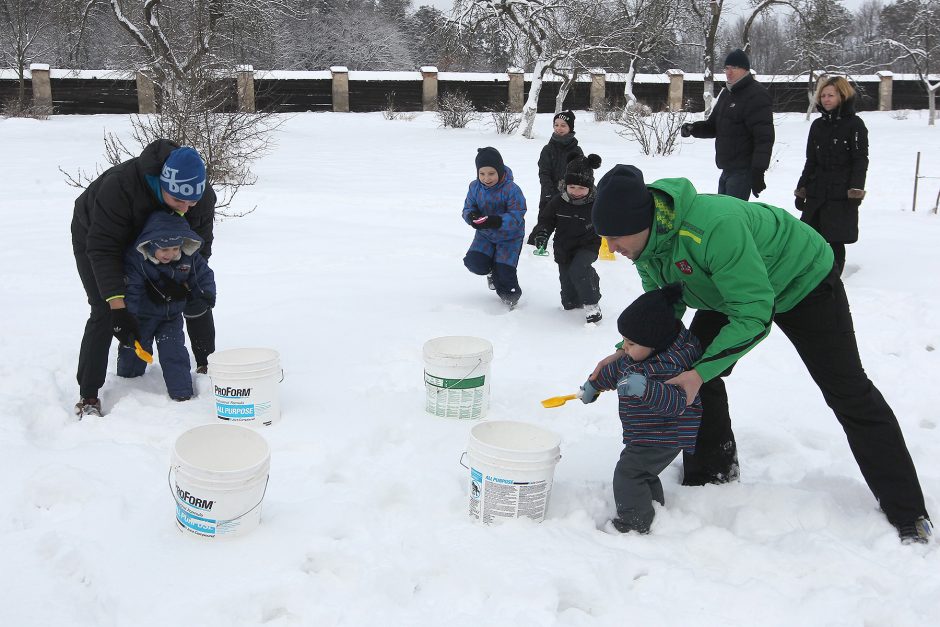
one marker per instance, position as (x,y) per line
(576,243)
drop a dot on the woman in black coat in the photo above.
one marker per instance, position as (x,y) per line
(553,160)
(832,185)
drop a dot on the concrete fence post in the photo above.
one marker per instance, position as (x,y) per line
(245,84)
(146,98)
(598,88)
(676,78)
(516,89)
(885,90)
(42,87)
(340,88)
(428,88)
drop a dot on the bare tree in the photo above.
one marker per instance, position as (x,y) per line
(186,47)
(706,18)
(917,38)
(23,24)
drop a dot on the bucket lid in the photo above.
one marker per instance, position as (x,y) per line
(458,347)
(244,358)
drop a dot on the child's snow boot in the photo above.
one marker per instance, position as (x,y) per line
(592,313)
(489,281)
(88,407)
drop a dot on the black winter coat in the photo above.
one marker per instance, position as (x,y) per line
(572,225)
(742,124)
(836,161)
(112,211)
(553,163)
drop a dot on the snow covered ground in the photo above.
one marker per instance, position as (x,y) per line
(350,263)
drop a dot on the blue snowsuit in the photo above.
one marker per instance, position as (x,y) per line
(497,251)
(148,298)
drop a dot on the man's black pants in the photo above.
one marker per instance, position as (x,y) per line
(820,328)
(96,342)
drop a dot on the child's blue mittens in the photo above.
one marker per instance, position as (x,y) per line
(634,384)
(588,393)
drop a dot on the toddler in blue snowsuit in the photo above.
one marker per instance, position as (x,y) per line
(162,269)
(495,207)
(658,420)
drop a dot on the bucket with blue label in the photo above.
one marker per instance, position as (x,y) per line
(244,381)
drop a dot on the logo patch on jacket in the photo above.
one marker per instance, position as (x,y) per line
(684,267)
(183,268)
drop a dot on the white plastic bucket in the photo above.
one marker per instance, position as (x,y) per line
(218,476)
(512,465)
(457,376)
(244,381)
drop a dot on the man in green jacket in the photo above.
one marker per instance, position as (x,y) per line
(745,265)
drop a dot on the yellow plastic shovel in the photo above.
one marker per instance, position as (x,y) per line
(558,401)
(141,353)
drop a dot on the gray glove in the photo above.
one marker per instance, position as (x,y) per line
(633,384)
(588,393)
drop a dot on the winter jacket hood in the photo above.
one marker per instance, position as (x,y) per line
(747,260)
(163,226)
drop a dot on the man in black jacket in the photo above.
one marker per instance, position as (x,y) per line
(108,216)
(742,124)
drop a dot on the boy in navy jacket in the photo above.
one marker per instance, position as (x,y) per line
(495,207)
(163,269)
(658,421)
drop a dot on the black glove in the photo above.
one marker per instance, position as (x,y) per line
(541,239)
(488,222)
(757,182)
(686,129)
(799,203)
(198,304)
(124,326)
(474,215)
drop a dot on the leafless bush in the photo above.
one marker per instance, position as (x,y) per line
(389,113)
(17,108)
(456,110)
(657,134)
(504,121)
(900,114)
(192,115)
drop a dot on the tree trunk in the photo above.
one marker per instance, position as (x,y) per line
(530,108)
(563,92)
(932,103)
(628,95)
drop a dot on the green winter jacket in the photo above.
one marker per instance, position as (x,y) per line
(746,260)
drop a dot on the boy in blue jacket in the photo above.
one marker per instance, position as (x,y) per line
(163,269)
(495,207)
(658,421)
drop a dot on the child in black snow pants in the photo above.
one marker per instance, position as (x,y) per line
(163,271)
(576,244)
(658,422)
(495,208)
(553,160)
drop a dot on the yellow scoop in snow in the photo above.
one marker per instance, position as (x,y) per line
(141,353)
(558,401)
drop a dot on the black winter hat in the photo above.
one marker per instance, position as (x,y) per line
(490,157)
(651,320)
(738,58)
(567,116)
(623,205)
(581,169)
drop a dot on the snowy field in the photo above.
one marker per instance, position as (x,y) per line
(351,262)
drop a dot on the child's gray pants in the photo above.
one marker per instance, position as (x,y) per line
(637,484)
